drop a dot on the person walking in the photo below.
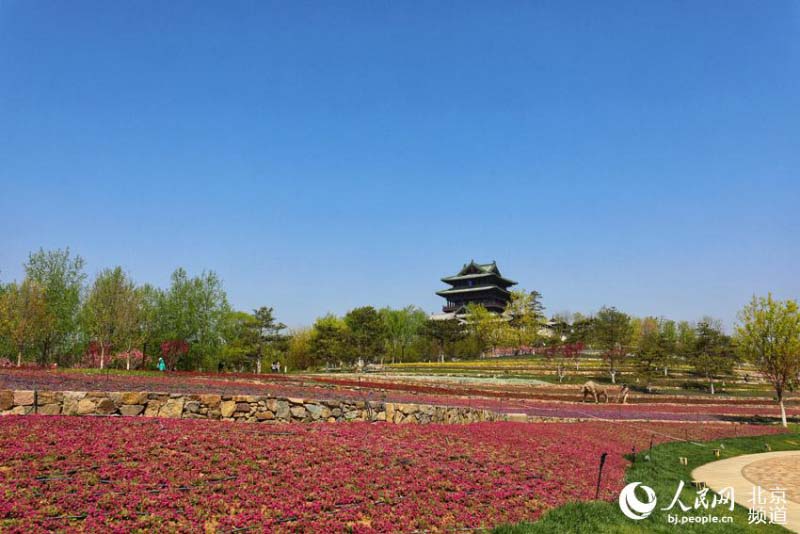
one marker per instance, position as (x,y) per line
(161,365)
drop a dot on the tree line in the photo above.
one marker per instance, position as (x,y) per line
(53,316)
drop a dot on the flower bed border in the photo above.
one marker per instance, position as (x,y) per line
(247,408)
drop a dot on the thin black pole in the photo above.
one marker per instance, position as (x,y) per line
(600,475)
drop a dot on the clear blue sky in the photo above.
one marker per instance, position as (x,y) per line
(325,155)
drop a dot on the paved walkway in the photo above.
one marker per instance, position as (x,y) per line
(768,470)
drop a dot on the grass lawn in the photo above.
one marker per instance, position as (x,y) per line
(662,473)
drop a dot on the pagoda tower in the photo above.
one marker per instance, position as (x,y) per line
(476,283)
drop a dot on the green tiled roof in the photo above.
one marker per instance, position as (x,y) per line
(482,267)
(460,290)
(479,275)
(474,270)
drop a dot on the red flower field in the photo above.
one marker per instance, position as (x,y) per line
(124,474)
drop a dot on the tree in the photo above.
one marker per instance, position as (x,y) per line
(23,315)
(111,312)
(655,345)
(401,327)
(173,351)
(242,340)
(525,313)
(299,354)
(668,334)
(131,334)
(329,340)
(61,277)
(611,332)
(555,352)
(194,310)
(536,307)
(581,329)
(769,336)
(713,354)
(367,333)
(686,339)
(150,325)
(270,340)
(485,327)
(443,333)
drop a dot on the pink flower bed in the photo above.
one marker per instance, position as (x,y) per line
(119,475)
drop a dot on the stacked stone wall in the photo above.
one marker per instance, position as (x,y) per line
(248,408)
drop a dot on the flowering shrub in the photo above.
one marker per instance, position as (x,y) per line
(194,476)
(172,351)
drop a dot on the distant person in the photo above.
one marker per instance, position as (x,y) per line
(220,367)
(161,365)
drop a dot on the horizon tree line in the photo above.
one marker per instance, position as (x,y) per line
(54,317)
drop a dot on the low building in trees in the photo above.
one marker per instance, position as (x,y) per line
(475,283)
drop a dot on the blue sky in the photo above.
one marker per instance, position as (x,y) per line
(325,155)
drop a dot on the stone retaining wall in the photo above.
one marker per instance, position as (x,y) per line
(231,407)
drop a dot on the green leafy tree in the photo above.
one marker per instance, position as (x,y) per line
(402,327)
(713,356)
(131,334)
(655,345)
(61,277)
(111,312)
(23,316)
(686,340)
(194,310)
(486,328)
(611,333)
(536,307)
(769,336)
(151,328)
(367,334)
(526,318)
(329,340)
(443,333)
(299,354)
(581,329)
(242,341)
(668,335)
(272,343)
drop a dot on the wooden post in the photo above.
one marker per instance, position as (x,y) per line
(600,475)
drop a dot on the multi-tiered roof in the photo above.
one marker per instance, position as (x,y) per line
(478,283)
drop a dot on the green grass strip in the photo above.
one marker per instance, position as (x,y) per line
(662,473)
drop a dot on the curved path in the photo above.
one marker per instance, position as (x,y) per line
(769,470)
